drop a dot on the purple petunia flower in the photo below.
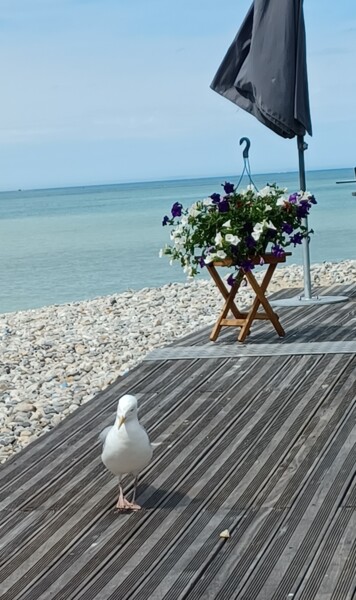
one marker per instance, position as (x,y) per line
(176,209)
(303,210)
(228,187)
(287,228)
(248,227)
(250,242)
(231,280)
(215,198)
(202,262)
(312,200)
(270,234)
(296,239)
(223,206)
(277,251)
(293,198)
(165,220)
(247,265)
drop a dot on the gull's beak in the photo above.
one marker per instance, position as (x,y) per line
(121,421)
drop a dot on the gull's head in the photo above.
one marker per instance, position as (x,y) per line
(126,409)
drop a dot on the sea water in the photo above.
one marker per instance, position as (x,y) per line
(69,244)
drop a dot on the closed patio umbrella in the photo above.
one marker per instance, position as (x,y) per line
(265,73)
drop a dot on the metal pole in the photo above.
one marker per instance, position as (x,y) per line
(302,146)
(306,299)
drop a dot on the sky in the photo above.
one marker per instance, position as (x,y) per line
(107,91)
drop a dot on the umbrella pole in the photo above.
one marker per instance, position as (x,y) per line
(302,146)
(307,298)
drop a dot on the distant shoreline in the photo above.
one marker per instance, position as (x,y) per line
(86,186)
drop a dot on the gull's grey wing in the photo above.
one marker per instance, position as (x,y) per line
(104,433)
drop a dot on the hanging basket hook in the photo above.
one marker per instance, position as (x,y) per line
(246,168)
(247,147)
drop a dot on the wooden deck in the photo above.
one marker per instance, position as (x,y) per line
(264,446)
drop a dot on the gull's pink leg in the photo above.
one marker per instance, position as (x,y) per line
(133,505)
(122,503)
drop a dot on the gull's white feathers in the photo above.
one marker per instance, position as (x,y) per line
(103,434)
(127,448)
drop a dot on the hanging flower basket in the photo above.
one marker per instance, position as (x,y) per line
(236,226)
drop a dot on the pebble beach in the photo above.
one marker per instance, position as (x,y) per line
(56,358)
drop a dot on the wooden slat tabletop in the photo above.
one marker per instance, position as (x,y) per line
(262,446)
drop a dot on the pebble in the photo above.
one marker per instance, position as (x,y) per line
(57,358)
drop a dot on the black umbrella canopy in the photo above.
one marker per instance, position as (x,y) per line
(265,69)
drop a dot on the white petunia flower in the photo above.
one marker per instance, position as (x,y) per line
(304,195)
(180,241)
(268,208)
(221,254)
(184,220)
(232,239)
(270,225)
(194,211)
(266,191)
(208,202)
(218,239)
(208,259)
(281,201)
(257,230)
(177,232)
(227,223)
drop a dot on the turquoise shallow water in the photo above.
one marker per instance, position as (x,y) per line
(70,244)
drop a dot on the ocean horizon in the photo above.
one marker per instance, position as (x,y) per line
(67,244)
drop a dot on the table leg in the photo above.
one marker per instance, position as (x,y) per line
(261,299)
(222,288)
(229,305)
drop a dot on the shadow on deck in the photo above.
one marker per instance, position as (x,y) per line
(264,446)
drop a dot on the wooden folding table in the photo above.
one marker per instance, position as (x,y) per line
(245,319)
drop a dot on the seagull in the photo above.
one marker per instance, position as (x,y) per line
(126,448)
